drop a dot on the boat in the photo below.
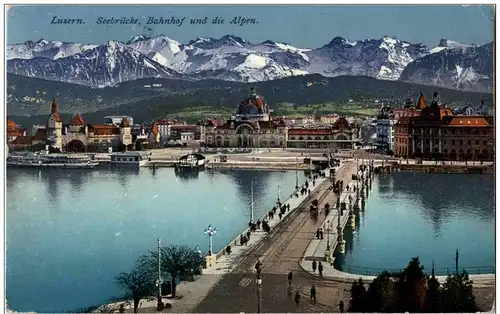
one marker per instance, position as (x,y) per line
(137,159)
(191,162)
(45,160)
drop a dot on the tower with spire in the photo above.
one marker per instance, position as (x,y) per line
(54,127)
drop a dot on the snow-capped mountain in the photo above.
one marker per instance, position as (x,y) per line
(382,58)
(45,49)
(464,67)
(449,44)
(227,58)
(104,65)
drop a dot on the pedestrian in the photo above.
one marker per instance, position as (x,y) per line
(341,306)
(313,294)
(290,276)
(320,269)
(317,234)
(248,234)
(314,265)
(297,298)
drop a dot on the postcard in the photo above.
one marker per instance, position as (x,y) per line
(250,158)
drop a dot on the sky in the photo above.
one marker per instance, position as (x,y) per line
(300,26)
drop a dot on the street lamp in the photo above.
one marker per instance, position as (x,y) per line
(328,229)
(210,232)
(159,281)
(279,194)
(259,292)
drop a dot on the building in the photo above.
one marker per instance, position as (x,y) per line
(251,126)
(439,134)
(116,120)
(14,131)
(329,118)
(165,127)
(77,136)
(340,135)
(384,125)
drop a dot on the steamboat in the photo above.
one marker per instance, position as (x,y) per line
(45,160)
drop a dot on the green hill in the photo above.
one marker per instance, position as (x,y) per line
(311,94)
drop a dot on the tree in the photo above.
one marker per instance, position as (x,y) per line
(381,295)
(411,287)
(433,296)
(358,296)
(180,262)
(457,294)
(138,283)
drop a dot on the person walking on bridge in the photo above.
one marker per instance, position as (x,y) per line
(313,294)
(320,269)
(290,276)
(314,265)
(297,298)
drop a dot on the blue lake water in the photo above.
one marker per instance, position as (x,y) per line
(70,232)
(425,215)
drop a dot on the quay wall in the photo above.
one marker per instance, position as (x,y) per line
(444,168)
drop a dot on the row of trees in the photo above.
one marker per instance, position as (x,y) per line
(413,291)
(177,262)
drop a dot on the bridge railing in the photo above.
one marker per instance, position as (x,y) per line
(368,271)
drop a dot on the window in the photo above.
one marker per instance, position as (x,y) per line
(461,142)
(477,142)
(452,142)
(444,142)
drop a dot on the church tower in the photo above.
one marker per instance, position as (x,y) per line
(125,132)
(54,127)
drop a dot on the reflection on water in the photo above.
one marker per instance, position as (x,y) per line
(426,215)
(69,232)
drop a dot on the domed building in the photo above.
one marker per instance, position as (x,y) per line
(251,126)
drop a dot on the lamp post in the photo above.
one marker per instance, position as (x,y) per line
(279,194)
(259,292)
(297,174)
(251,204)
(210,232)
(159,281)
(456,263)
(328,229)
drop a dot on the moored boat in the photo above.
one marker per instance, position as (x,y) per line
(137,159)
(44,160)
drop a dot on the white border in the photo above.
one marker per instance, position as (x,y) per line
(202,2)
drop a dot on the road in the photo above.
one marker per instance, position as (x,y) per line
(279,254)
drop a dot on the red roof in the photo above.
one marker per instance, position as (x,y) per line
(40,135)
(102,129)
(422,102)
(54,112)
(184,128)
(468,121)
(77,120)
(22,140)
(13,129)
(309,131)
(341,123)
(214,123)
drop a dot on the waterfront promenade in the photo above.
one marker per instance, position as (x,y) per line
(280,254)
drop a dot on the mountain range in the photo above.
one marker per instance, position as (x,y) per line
(231,58)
